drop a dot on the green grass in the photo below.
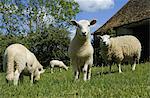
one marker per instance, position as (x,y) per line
(61,85)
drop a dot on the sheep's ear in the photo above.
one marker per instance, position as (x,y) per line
(74,23)
(92,22)
(100,36)
(108,36)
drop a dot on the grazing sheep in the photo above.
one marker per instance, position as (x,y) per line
(18,58)
(57,63)
(80,49)
(121,49)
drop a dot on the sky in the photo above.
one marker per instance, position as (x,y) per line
(101,10)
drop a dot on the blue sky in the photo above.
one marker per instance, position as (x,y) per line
(101,10)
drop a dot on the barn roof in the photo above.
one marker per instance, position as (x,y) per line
(133,11)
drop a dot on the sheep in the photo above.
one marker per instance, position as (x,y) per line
(18,58)
(57,63)
(121,49)
(80,49)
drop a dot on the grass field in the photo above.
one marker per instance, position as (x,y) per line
(61,85)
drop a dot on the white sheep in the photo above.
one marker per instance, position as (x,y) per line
(80,49)
(121,49)
(18,58)
(57,63)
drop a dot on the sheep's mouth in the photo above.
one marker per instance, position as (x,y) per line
(105,45)
(83,35)
(35,81)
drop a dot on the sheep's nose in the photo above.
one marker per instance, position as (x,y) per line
(35,81)
(83,33)
(104,43)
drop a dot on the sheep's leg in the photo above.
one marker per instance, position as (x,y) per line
(31,80)
(20,65)
(85,68)
(16,77)
(76,72)
(110,65)
(60,70)
(21,78)
(134,65)
(10,69)
(119,66)
(89,73)
(52,69)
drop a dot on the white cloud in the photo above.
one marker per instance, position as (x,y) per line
(95,5)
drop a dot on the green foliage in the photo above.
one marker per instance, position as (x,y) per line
(40,25)
(61,85)
(33,15)
(52,43)
(5,41)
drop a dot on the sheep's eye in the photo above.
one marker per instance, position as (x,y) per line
(40,69)
(88,25)
(79,26)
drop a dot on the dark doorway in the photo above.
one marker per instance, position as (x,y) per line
(142,33)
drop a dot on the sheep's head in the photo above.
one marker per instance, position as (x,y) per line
(67,68)
(83,27)
(39,70)
(105,40)
(64,66)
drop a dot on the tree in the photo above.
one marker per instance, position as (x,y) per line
(24,16)
(40,25)
(50,44)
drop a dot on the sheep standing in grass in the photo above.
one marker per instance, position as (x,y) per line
(18,58)
(120,49)
(81,50)
(57,63)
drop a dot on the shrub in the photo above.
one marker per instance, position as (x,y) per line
(51,43)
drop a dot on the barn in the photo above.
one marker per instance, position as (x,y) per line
(132,19)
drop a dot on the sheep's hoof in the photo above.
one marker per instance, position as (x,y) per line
(133,69)
(51,72)
(76,80)
(15,83)
(85,80)
(120,72)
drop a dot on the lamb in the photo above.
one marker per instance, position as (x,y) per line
(18,58)
(57,63)
(121,49)
(80,49)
